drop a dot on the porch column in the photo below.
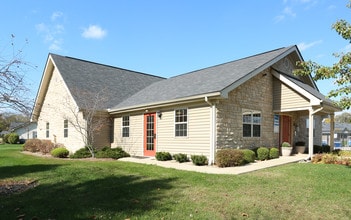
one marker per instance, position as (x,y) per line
(332,131)
(310,134)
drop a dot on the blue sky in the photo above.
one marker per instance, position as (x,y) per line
(168,38)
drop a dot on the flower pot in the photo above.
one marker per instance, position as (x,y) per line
(286,151)
(300,149)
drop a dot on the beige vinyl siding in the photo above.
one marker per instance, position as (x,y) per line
(198,138)
(287,98)
(197,141)
(134,143)
(102,137)
(58,106)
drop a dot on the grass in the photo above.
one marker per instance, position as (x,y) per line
(78,189)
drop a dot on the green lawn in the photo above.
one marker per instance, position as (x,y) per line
(77,189)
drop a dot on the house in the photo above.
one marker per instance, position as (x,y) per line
(25,131)
(342,134)
(250,102)
(71,90)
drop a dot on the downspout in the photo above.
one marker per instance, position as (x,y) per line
(212,130)
(310,131)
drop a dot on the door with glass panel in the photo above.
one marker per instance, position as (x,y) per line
(150,134)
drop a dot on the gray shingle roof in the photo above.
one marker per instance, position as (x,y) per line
(118,84)
(204,81)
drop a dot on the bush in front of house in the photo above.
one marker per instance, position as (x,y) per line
(263,153)
(46,146)
(12,138)
(229,157)
(32,145)
(181,158)
(273,153)
(249,155)
(60,152)
(114,153)
(199,160)
(37,145)
(163,156)
(81,153)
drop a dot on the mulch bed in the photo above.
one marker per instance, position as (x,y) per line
(9,187)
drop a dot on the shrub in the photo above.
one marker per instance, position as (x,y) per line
(345,153)
(273,153)
(81,153)
(60,152)
(5,138)
(249,155)
(114,153)
(32,145)
(263,153)
(163,156)
(317,149)
(199,160)
(229,158)
(181,157)
(46,146)
(13,138)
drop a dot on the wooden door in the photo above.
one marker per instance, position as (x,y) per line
(150,134)
(285,129)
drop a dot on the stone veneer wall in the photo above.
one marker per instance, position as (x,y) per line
(255,94)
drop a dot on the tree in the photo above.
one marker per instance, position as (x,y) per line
(13,88)
(89,119)
(345,117)
(7,118)
(340,72)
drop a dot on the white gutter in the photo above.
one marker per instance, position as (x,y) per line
(212,130)
(163,103)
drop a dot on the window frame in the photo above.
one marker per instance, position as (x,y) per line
(125,126)
(47,135)
(181,128)
(65,128)
(253,120)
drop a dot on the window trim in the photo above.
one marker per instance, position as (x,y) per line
(125,127)
(186,123)
(252,123)
(47,135)
(65,128)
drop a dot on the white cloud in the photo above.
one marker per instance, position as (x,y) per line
(304,46)
(51,32)
(94,32)
(56,15)
(287,12)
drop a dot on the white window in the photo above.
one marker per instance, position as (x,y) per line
(251,123)
(181,122)
(47,129)
(125,126)
(65,128)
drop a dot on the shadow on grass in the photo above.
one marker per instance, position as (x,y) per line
(116,197)
(19,170)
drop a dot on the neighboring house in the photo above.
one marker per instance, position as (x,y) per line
(251,102)
(25,131)
(342,134)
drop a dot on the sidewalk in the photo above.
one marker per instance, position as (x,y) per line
(188,166)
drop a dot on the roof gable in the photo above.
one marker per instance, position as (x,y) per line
(84,79)
(118,84)
(219,79)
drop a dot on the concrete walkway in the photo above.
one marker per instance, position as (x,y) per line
(188,166)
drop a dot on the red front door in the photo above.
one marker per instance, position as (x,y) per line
(149,134)
(285,129)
